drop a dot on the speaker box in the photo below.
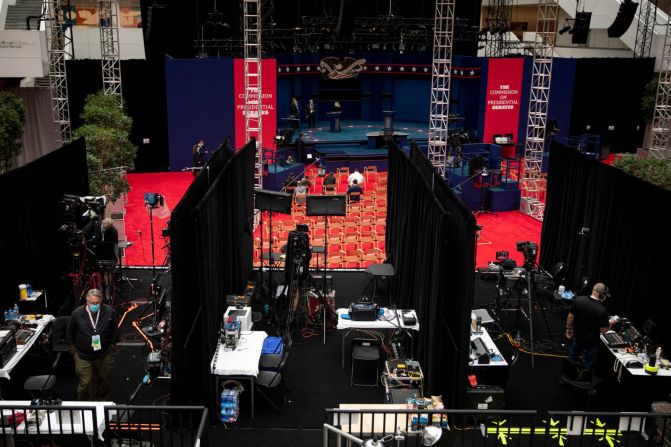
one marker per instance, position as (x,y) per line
(485,397)
(277,202)
(581,27)
(623,19)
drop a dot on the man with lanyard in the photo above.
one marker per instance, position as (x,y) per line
(91,339)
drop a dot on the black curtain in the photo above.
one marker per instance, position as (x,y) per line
(211,257)
(430,240)
(31,246)
(613,99)
(627,245)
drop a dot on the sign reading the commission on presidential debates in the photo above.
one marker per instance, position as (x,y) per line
(502,106)
(268,102)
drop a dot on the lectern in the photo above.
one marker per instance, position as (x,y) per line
(335,121)
(388,122)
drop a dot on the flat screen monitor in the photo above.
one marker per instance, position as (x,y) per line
(277,202)
(326,205)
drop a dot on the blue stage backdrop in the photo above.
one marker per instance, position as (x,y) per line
(200,105)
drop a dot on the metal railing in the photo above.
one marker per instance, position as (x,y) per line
(407,427)
(156,425)
(97,424)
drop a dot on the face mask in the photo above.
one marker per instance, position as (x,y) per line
(94,307)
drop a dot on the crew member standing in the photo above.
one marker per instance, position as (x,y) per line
(300,149)
(312,114)
(294,113)
(91,337)
(198,154)
(586,321)
(101,231)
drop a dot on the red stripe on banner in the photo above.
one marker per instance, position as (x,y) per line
(268,102)
(502,103)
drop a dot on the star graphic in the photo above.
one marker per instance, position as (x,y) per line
(472,72)
(425,69)
(377,68)
(402,68)
(414,68)
(365,68)
(287,70)
(279,69)
(298,68)
(456,71)
(389,68)
(461,72)
(308,68)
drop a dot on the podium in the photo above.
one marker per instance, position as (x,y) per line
(335,121)
(292,121)
(388,122)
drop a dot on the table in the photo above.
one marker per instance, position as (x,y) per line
(496,359)
(496,371)
(388,321)
(21,350)
(242,363)
(53,424)
(622,357)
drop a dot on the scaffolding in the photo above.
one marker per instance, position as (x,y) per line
(497,24)
(533,185)
(440,84)
(661,119)
(251,16)
(59,43)
(109,48)
(645,30)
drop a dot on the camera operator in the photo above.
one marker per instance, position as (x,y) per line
(101,231)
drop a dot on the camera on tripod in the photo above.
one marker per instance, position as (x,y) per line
(530,251)
(153,199)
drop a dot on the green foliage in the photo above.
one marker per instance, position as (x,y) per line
(648,99)
(109,152)
(652,170)
(12,117)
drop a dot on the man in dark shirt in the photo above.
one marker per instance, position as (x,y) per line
(586,321)
(91,337)
(101,231)
(300,149)
(354,187)
(329,179)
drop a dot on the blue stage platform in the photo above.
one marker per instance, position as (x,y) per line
(355,131)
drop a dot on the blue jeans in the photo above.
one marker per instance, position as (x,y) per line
(589,350)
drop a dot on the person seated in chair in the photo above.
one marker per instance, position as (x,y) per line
(329,179)
(586,321)
(356,175)
(301,191)
(354,188)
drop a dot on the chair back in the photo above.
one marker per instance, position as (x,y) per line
(57,335)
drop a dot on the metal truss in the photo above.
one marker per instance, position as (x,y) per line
(539,99)
(661,119)
(251,17)
(646,27)
(110,56)
(497,25)
(109,48)
(441,68)
(59,43)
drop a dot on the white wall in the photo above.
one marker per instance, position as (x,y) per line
(86,41)
(23,53)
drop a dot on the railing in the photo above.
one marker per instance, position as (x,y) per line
(465,428)
(154,425)
(97,424)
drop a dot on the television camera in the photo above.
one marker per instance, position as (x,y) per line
(530,252)
(153,199)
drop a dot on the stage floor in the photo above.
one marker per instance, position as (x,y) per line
(355,131)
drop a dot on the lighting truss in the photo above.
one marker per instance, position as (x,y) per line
(539,99)
(646,28)
(661,119)
(251,15)
(441,68)
(497,23)
(59,43)
(109,48)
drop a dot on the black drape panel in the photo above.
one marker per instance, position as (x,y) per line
(628,244)
(211,257)
(32,250)
(431,249)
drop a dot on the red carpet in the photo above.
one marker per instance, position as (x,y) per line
(499,232)
(172,186)
(502,231)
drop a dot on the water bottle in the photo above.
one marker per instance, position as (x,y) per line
(266,310)
(16,311)
(474,322)
(561,290)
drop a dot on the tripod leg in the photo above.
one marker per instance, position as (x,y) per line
(531,323)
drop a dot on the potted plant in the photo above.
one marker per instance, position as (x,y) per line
(12,117)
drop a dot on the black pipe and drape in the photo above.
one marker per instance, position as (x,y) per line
(211,258)
(32,249)
(624,240)
(430,241)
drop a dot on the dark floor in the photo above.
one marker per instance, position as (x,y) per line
(315,376)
